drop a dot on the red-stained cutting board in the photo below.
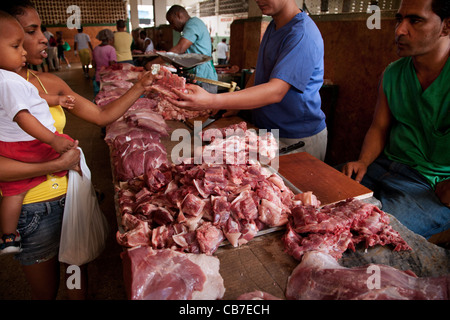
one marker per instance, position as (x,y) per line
(329,185)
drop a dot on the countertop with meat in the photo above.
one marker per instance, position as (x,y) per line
(258,229)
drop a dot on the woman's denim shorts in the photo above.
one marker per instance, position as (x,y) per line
(40,229)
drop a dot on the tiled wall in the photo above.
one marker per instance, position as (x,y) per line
(95,16)
(92,11)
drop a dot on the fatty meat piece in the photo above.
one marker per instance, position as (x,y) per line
(337,227)
(169,275)
(320,277)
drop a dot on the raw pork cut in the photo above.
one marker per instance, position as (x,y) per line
(147,119)
(169,275)
(168,82)
(120,72)
(320,277)
(136,157)
(236,144)
(334,228)
(194,208)
(136,232)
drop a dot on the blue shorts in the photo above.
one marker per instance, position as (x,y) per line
(40,229)
(407,195)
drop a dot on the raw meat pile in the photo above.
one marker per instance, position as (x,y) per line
(170,275)
(118,78)
(335,228)
(120,72)
(194,208)
(320,277)
(236,144)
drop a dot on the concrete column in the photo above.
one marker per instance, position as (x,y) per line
(159,12)
(134,16)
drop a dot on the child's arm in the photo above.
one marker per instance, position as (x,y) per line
(65,101)
(34,128)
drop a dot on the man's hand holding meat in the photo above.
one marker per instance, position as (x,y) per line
(196,99)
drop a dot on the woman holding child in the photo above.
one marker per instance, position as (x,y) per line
(42,210)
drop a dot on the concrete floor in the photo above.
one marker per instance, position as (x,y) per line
(105,273)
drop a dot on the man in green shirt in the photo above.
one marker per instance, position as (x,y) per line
(405,157)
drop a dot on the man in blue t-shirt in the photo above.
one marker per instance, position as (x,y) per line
(289,74)
(195,38)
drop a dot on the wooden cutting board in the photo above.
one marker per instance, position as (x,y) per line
(308,173)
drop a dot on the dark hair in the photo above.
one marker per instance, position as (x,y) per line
(120,24)
(441,8)
(175,9)
(16,7)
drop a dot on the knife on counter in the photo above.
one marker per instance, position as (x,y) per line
(292,147)
(213,118)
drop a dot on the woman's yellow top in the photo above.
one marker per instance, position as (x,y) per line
(54,186)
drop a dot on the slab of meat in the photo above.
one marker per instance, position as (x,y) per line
(120,72)
(120,132)
(169,275)
(320,277)
(236,144)
(136,157)
(335,228)
(135,141)
(168,82)
(147,119)
(172,112)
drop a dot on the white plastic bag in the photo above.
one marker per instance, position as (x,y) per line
(84,227)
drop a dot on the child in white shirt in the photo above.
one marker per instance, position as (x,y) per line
(27,131)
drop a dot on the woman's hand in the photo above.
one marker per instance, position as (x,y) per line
(196,99)
(69,160)
(147,79)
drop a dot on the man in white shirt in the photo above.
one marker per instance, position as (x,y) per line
(222,52)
